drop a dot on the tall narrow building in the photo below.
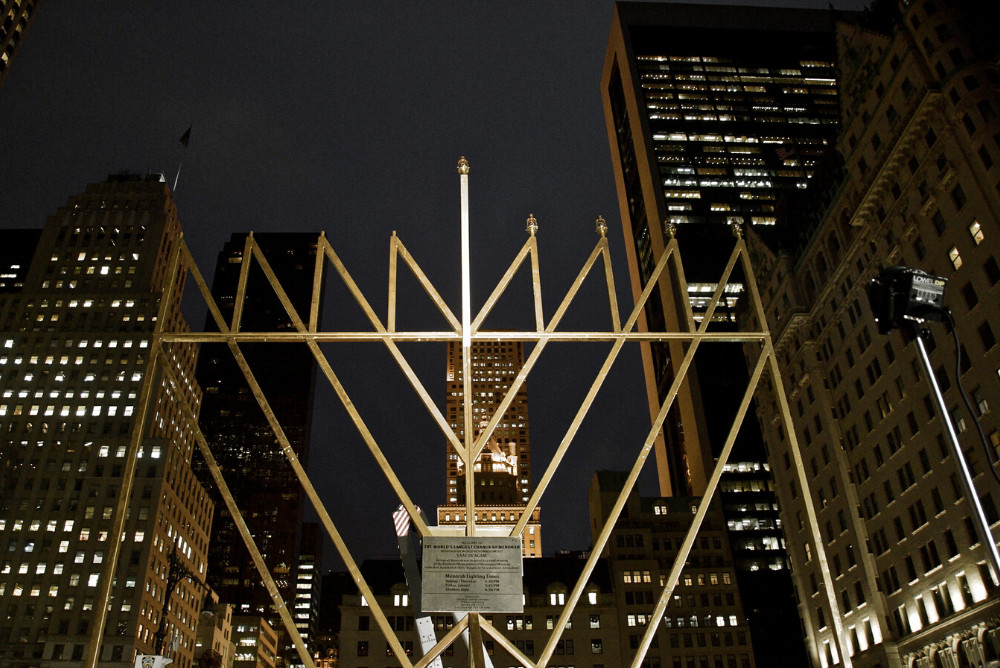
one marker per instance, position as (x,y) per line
(244,445)
(503,470)
(73,357)
(713,114)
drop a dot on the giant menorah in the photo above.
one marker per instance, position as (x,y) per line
(465,329)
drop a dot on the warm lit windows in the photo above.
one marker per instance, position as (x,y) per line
(955,257)
(976,231)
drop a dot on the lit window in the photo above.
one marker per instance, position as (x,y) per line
(976,230)
(955,257)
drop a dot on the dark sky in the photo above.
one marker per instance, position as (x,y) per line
(349,118)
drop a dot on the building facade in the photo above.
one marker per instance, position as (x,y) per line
(591,640)
(900,575)
(704,623)
(75,351)
(241,439)
(256,642)
(214,642)
(503,470)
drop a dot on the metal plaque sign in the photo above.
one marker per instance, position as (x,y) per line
(472,574)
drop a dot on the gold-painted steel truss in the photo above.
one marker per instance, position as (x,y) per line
(466,330)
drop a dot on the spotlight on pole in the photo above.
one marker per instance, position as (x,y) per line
(906,298)
(901,294)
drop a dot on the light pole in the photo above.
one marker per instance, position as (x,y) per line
(906,298)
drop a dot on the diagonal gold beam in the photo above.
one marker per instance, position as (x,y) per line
(448,639)
(427,285)
(506,643)
(338,387)
(536,352)
(290,455)
(241,525)
(381,334)
(241,284)
(679,379)
(595,387)
(502,284)
(802,478)
(706,500)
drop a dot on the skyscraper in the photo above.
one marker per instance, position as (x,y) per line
(73,357)
(713,114)
(15,19)
(894,573)
(241,439)
(503,470)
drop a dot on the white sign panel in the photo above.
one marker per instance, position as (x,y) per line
(472,574)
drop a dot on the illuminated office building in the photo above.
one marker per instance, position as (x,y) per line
(503,470)
(898,574)
(73,357)
(242,441)
(714,113)
(307,586)
(15,19)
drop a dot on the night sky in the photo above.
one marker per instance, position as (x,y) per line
(350,118)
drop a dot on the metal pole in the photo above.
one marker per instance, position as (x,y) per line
(982,526)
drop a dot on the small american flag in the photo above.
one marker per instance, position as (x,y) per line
(401,519)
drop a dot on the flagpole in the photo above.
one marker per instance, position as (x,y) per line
(185,138)
(178,175)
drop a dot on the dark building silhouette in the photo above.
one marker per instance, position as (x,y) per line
(714,113)
(255,468)
(17,247)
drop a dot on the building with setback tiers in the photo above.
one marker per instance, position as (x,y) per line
(713,112)
(899,575)
(503,470)
(73,357)
(241,439)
